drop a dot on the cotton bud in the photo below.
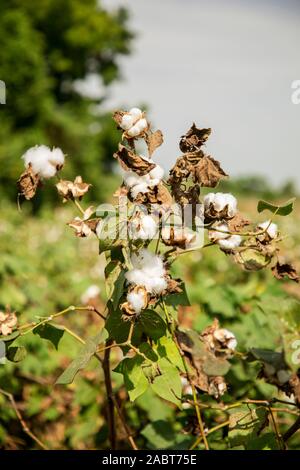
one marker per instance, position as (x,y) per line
(220,205)
(8,321)
(142,184)
(142,227)
(44,162)
(270,229)
(226,338)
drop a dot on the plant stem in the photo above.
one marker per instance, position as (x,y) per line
(110,398)
(292,430)
(125,426)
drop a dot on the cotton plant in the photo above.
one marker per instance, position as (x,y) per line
(139,251)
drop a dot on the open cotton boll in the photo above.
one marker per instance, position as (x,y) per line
(134,131)
(139,188)
(143,227)
(219,201)
(136,113)
(157,173)
(136,301)
(230,243)
(57,157)
(43,160)
(142,124)
(148,271)
(215,235)
(225,337)
(271,228)
(126,122)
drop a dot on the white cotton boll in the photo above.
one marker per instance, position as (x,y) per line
(136,300)
(225,336)
(136,113)
(230,243)
(43,160)
(214,235)
(134,131)
(220,201)
(57,157)
(143,227)
(48,171)
(143,124)
(139,188)
(130,178)
(149,227)
(148,271)
(126,122)
(157,173)
(271,228)
(158,285)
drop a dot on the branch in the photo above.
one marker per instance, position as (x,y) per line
(21,419)
(293,429)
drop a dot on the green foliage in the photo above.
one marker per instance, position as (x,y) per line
(82,359)
(283,209)
(52,50)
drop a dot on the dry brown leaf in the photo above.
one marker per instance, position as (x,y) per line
(130,161)
(280,270)
(237,223)
(154,140)
(28,183)
(208,172)
(193,139)
(117,116)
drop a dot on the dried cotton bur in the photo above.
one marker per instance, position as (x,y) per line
(165,216)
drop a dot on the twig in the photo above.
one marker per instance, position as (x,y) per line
(292,430)
(22,421)
(125,425)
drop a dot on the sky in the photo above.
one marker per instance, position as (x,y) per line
(228,65)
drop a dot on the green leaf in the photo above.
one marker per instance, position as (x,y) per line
(168,384)
(162,435)
(135,381)
(245,425)
(109,235)
(152,324)
(291,344)
(284,209)
(215,365)
(10,337)
(114,281)
(146,349)
(167,348)
(50,332)
(180,298)
(267,356)
(83,358)
(16,353)
(119,329)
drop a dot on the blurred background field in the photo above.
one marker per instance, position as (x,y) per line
(44,268)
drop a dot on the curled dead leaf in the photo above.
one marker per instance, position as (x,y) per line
(130,161)
(28,183)
(193,139)
(208,172)
(280,270)
(154,140)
